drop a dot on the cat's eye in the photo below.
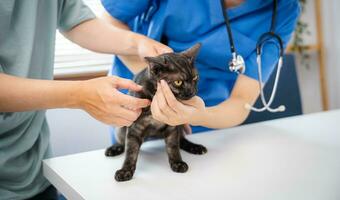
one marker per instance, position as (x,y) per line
(178,83)
(195,78)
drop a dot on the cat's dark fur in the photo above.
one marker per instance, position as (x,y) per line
(170,67)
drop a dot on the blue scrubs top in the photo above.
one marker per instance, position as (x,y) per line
(185,23)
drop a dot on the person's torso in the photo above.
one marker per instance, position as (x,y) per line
(27,37)
(184,23)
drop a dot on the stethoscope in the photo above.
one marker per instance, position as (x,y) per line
(237,63)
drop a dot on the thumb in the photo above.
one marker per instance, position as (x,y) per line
(132,102)
(122,83)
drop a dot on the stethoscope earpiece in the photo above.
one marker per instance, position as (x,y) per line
(281,108)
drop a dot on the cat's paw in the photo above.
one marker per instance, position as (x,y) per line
(124,175)
(114,150)
(179,166)
(197,149)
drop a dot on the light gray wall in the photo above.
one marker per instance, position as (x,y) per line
(74,131)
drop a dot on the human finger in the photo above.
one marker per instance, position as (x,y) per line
(162,103)
(120,122)
(122,83)
(161,49)
(169,96)
(126,113)
(157,113)
(132,102)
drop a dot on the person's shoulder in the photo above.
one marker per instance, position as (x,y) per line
(289,4)
(282,5)
(124,10)
(289,8)
(288,1)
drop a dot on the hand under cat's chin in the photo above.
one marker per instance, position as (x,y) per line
(199,110)
(167,109)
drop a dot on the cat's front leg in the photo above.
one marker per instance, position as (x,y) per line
(172,148)
(134,141)
(189,146)
(119,147)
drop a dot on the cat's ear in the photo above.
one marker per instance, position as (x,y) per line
(155,64)
(192,52)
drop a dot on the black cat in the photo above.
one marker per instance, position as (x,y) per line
(178,70)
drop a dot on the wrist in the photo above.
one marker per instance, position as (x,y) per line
(199,118)
(134,42)
(134,63)
(75,96)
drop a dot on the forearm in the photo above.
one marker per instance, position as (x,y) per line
(20,94)
(99,36)
(134,63)
(230,113)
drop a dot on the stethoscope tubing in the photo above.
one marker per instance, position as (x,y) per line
(265,37)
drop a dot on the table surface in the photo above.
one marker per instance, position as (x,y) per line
(295,158)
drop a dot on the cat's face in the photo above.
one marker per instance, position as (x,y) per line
(178,70)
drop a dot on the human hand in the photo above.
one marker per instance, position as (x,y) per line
(102,100)
(167,109)
(146,47)
(150,48)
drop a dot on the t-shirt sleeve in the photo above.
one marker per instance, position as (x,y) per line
(286,22)
(72,13)
(125,10)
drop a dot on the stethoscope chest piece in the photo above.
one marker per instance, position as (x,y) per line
(237,64)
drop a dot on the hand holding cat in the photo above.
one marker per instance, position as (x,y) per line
(150,48)
(102,100)
(167,109)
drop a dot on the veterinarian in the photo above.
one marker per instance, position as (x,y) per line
(222,94)
(27,38)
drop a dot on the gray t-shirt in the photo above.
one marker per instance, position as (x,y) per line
(27,40)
